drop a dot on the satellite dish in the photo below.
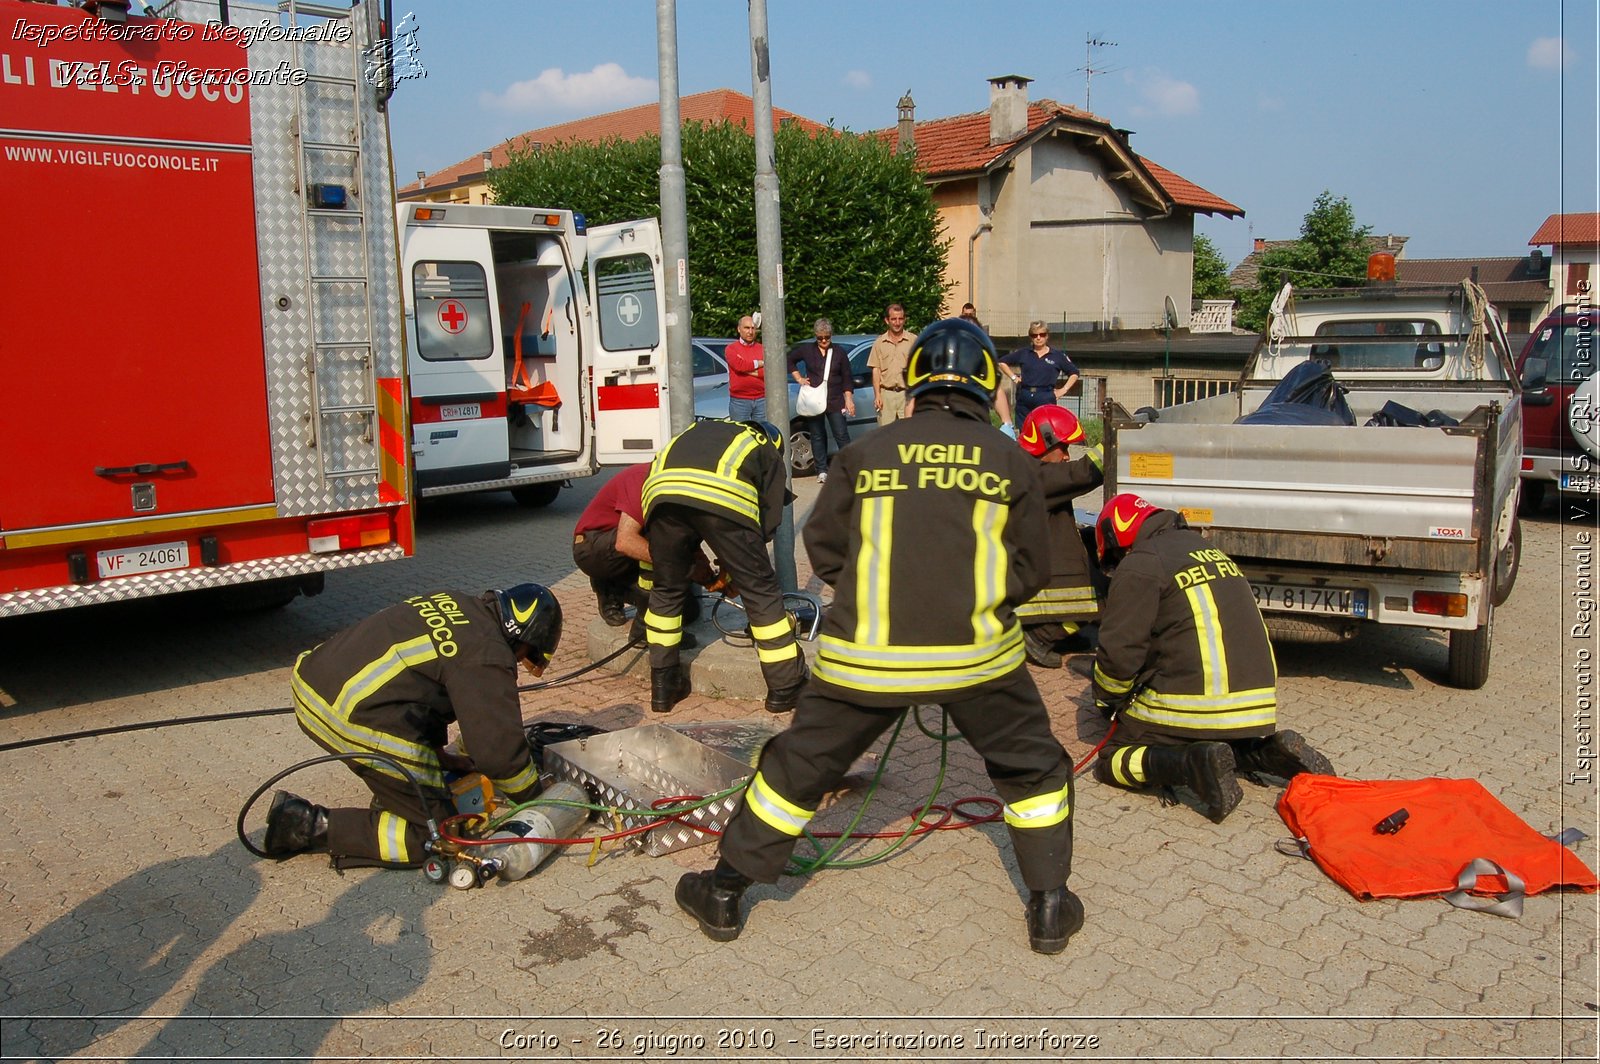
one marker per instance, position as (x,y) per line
(1169,315)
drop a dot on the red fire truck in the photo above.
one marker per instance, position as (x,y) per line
(203,355)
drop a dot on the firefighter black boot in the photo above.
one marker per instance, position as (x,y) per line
(783,699)
(294,826)
(712,898)
(1285,754)
(1205,768)
(668,687)
(1053,916)
(1039,644)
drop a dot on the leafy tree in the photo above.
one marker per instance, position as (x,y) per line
(860,229)
(1210,270)
(1331,253)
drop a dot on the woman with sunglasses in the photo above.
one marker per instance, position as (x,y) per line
(1043,374)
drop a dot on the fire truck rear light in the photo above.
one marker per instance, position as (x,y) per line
(1438,604)
(1527,464)
(348,533)
(329,197)
(429,214)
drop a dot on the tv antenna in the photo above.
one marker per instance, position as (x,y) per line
(1090,43)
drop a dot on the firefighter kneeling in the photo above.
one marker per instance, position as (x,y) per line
(1185,662)
(898,634)
(391,685)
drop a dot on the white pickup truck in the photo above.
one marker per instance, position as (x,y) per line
(1340,524)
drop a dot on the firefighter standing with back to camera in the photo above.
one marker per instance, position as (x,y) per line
(392,684)
(1185,663)
(942,486)
(722,483)
(1051,619)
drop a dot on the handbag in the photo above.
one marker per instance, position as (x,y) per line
(812,399)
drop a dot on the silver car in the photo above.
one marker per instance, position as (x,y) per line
(711,392)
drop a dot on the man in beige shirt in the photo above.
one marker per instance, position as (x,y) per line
(890,352)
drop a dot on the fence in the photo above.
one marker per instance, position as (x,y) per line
(1169,391)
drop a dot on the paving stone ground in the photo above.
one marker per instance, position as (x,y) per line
(139,928)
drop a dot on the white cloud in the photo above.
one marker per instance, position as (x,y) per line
(605,88)
(858,79)
(1549,53)
(1160,94)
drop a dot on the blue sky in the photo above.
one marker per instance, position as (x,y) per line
(1460,124)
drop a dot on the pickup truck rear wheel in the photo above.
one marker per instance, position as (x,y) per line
(1506,564)
(1469,655)
(1530,497)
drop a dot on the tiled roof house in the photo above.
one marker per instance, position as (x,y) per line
(1051,215)
(1574,241)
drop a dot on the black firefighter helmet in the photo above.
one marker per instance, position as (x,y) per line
(953,354)
(532,619)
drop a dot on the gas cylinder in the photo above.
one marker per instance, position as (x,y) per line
(544,821)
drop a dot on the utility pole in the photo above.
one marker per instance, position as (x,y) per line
(674,224)
(769,265)
(1091,42)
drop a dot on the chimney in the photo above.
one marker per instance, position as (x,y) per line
(1261,245)
(906,143)
(1008,108)
(488,161)
(422,179)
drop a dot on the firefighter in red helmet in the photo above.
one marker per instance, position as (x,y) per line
(943,483)
(1052,618)
(1185,664)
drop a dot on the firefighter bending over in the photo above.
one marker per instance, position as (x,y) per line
(1185,662)
(941,488)
(1051,619)
(392,684)
(722,483)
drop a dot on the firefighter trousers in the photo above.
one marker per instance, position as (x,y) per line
(1007,726)
(393,830)
(676,533)
(613,576)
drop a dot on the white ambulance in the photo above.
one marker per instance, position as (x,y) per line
(537,348)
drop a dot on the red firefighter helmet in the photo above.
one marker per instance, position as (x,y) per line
(1118,526)
(1049,426)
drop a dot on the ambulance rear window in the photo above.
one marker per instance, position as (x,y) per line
(452,301)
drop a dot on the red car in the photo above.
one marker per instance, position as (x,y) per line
(1560,444)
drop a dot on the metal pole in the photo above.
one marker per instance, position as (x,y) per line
(674,224)
(769,263)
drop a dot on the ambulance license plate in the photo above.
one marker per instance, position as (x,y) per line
(1293,598)
(1577,482)
(460,411)
(150,558)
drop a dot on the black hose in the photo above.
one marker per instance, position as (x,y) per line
(422,799)
(244,714)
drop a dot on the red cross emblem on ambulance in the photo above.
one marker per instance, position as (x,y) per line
(452,317)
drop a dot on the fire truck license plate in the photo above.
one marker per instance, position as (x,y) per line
(151,558)
(1292,598)
(460,411)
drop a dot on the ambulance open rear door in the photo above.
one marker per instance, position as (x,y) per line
(630,353)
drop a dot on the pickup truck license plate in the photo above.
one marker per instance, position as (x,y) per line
(1293,598)
(151,558)
(1577,482)
(460,411)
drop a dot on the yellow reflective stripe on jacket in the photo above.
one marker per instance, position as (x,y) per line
(912,669)
(1053,601)
(1226,712)
(522,781)
(1208,632)
(1096,455)
(735,496)
(989,568)
(1110,684)
(1041,811)
(330,724)
(392,839)
(776,811)
(872,571)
